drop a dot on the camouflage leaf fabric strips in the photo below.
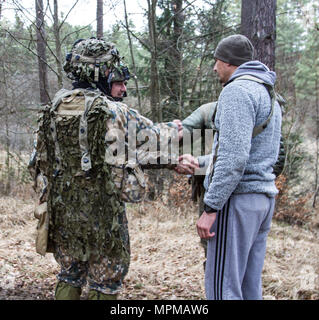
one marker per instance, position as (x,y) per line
(84,210)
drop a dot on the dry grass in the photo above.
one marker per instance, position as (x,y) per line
(167,259)
(292,267)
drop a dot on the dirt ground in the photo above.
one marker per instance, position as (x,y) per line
(167,258)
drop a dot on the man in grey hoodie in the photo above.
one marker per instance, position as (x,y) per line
(240,183)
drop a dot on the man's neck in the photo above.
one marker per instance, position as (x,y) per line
(232,70)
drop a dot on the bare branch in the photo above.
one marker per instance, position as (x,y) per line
(34,53)
(76,2)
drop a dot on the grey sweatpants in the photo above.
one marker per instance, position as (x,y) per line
(235,255)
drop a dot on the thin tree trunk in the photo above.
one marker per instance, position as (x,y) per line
(154,83)
(178,24)
(317,144)
(99,19)
(41,51)
(132,56)
(58,56)
(7,147)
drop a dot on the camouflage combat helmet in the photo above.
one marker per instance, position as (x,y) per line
(90,58)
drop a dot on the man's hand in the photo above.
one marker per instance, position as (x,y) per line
(204,225)
(187,164)
(180,128)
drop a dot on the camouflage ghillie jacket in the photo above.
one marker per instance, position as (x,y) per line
(90,152)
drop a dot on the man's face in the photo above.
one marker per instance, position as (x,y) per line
(224,70)
(118,89)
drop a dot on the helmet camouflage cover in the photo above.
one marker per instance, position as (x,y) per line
(120,73)
(90,58)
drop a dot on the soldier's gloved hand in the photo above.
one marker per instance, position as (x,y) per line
(180,128)
(187,164)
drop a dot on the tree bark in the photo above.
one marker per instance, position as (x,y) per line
(177,54)
(132,55)
(317,143)
(41,51)
(99,19)
(154,82)
(58,56)
(258,23)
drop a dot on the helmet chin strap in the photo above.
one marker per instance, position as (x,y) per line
(103,86)
(118,99)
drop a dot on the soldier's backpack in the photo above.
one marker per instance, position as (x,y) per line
(128,177)
(71,154)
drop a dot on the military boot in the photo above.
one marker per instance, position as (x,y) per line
(65,291)
(97,295)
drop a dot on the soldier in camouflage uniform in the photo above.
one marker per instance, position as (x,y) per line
(85,183)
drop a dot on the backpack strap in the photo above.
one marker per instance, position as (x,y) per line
(90,97)
(258,129)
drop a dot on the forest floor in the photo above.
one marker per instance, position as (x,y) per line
(166,261)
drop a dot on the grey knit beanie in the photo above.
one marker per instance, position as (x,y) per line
(235,50)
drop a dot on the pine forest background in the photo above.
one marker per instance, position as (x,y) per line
(171,54)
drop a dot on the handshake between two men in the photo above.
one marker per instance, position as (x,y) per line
(188,164)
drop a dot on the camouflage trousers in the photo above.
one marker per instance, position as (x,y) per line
(105,275)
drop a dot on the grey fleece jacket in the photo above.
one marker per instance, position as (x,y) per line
(244,164)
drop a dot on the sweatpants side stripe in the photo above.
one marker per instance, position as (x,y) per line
(218,235)
(220,251)
(224,246)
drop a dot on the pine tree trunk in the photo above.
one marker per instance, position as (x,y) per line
(258,23)
(132,55)
(58,56)
(154,82)
(7,148)
(178,46)
(99,19)
(41,51)
(317,144)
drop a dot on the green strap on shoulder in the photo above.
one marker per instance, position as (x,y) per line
(258,129)
(86,163)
